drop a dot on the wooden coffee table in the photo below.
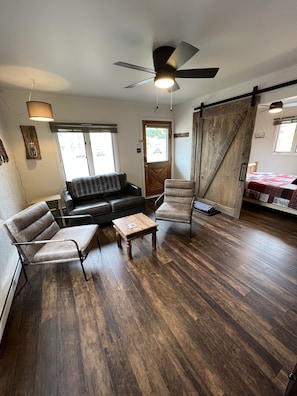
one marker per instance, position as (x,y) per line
(132,227)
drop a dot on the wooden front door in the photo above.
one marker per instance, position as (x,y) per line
(222,138)
(157,143)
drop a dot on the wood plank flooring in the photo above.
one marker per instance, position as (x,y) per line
(211,315)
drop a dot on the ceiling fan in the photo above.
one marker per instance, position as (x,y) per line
(167,61)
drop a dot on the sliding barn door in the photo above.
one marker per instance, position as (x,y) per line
(222,138)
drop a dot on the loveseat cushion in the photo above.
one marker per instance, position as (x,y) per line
(93,207)
(93,186)
(123,201)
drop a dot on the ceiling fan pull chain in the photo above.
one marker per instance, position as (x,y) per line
(157,107)
(171,99)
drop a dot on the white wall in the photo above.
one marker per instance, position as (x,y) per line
(45,176)
(12,200)
(183,118)
(264,141)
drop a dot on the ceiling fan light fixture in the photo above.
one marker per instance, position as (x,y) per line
(40,111)
(164,79)
(276,107)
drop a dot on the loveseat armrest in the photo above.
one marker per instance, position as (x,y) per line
(133,189)
(68,201)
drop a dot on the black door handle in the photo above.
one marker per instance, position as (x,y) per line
(243,169)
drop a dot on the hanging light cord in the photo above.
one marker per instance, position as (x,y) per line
(32,87)
(157,94)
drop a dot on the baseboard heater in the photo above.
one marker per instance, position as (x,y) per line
(205,208)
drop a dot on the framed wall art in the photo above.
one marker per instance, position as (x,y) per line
(3,153)
(31,142)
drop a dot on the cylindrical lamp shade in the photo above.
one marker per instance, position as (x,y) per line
(276,107)
(40,111)
(164,79)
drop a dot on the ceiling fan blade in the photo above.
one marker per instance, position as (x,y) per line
(141,82)
(197,73)
(182,53)
(134,67)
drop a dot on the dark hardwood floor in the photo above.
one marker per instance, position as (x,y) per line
(211,315)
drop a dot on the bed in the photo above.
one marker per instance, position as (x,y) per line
(273,190)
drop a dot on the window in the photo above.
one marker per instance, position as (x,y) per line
(86,149)
(156,138)
(286,136)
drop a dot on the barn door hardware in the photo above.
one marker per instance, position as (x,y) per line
(243,170)
(254,95)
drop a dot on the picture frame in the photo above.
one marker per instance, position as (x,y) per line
(31,142)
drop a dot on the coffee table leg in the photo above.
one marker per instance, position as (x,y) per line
(154,238)
(118,238)
(129,250)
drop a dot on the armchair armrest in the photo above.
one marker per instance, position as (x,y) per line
(44,241)
(133,189)
(88,217)
(158,201)
(192,203)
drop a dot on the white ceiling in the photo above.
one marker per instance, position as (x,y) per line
(69,46)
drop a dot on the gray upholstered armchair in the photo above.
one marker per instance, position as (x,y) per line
(176,202)
(39,239)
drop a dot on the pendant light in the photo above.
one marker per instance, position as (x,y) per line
(276,107)
(39,111)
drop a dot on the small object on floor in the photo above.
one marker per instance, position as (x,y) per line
(205,208)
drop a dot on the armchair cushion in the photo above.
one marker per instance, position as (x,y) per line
(174,212)
(179,191)
(66,249)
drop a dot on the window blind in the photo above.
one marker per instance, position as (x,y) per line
(284,120)
(156,125)
(56,127)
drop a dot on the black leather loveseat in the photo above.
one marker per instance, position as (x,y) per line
(105,197)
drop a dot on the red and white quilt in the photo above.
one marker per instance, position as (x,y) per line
(275,188)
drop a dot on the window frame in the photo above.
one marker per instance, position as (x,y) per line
(279,123)
(86,130)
